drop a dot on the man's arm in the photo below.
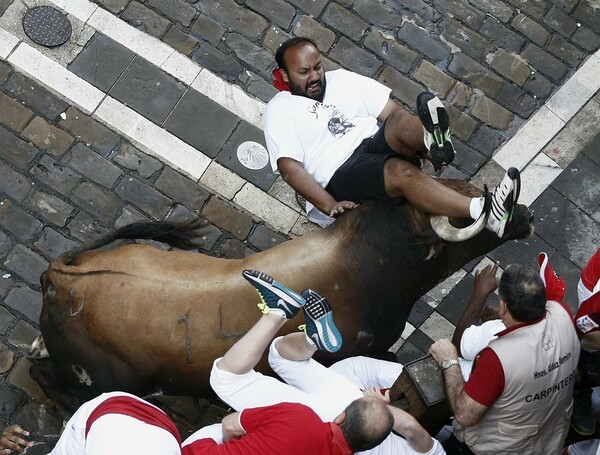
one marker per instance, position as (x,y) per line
(485,284)
(466,410)
(296,176)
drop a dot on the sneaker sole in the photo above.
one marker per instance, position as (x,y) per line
(266,285)
(320,324)
(435,120)
(515,176)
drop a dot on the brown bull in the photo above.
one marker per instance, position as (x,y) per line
(138,318)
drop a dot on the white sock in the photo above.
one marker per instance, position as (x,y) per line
(476,207)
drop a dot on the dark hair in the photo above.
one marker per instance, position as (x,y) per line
(292,42)
(367,423)
(523,291)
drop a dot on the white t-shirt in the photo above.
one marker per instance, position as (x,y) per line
(473,340)
(323,135)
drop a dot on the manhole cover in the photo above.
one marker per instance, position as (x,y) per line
(252,155)
(47,26)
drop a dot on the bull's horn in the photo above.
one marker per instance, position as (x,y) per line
(442,227)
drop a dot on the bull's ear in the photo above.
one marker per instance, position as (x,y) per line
(442,227)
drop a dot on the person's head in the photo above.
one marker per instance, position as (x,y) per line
(231,427)
(365,423)
(300,64)
(522,290)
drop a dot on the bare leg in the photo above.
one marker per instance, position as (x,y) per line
(246,352)
(294,346)
(404,133)
(425,193)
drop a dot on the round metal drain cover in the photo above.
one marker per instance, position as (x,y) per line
(47,26)
(252,155)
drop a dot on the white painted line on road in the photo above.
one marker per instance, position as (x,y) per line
(529,140)
(56,78)
(181,67)
(222,180)
(81,9)
(536,177)
(8,42)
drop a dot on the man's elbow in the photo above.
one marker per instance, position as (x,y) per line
(466,419)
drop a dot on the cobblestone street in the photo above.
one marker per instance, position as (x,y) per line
(139,116)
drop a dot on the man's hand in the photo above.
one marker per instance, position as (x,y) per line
(375,392)
(485,280)
(10,441)
(341,207)
(443,350)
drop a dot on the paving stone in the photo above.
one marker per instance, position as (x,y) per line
(47,426)
(497,10)
(392,52)
(129,215)
(5,70)
(344,21)
(20,223)
(10,400)
(6,358)
(144,197)
(467,40)
(565,51)
(312,7)
(307,26)
(565,227)
(223,215)
(101,62)
(90,131)
(454,304)
(419,313)
(96,201)
(585,38)
(181,189)
(87,162)
(26,301)
(418,7)
(462,124)
(558,20)
(510,66)
(47,137)
(579,183)
(501,36)
(13,114)
(476,74)
(83,227)
(26,263)
(57,176)
(487,140)
(452,172)
(131,158)
(467,159)
(531,29)
(202,123)
(15,150)
(210,236)
(208,29)
(402,87)
(592,150)
(376,13)
(145,19)
(277,11)
(6,317)
(539,86)
(549,66)
(460,95)
(587,13)
(175,10)
(434,79)
(5,246)
(409,353)
(533,8)
(33,96)
(114,6)
(22,336)
(351,56)
(52,244)
(148,90)
(565,5)
(461,10)
(421,41)
(491,113)
(13,184)
(231,15)
(263,238)
(262,178)
(232,249)
(50,208)
(216,61)
(19,377)
(261,89)
(274,37)
(420,340)
(517,101)
(181,213)
(250,53)
(184,43)
(521,251)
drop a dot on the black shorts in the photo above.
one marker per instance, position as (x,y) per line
(360,178)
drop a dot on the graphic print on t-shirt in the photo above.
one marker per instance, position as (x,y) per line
(337,124)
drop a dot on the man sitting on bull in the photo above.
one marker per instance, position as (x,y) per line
(322,135)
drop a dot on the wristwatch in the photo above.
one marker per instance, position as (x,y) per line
(448,363)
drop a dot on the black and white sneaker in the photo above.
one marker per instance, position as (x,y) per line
(436,128)
(504,200)
(319,328)
(276,298)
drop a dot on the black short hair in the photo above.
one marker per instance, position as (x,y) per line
(292,42)
(367,423)
(523,291)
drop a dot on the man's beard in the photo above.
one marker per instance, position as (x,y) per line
(296,89)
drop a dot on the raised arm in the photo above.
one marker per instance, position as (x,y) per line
(296,176)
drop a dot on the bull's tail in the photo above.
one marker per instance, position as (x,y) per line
(177,234)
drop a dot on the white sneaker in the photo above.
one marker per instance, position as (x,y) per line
(504,200)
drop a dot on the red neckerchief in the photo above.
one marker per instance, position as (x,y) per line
(278,81)
(338,440)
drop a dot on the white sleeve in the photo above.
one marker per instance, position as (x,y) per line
(214,432)
(280,134)
(477,337)
(374,94)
